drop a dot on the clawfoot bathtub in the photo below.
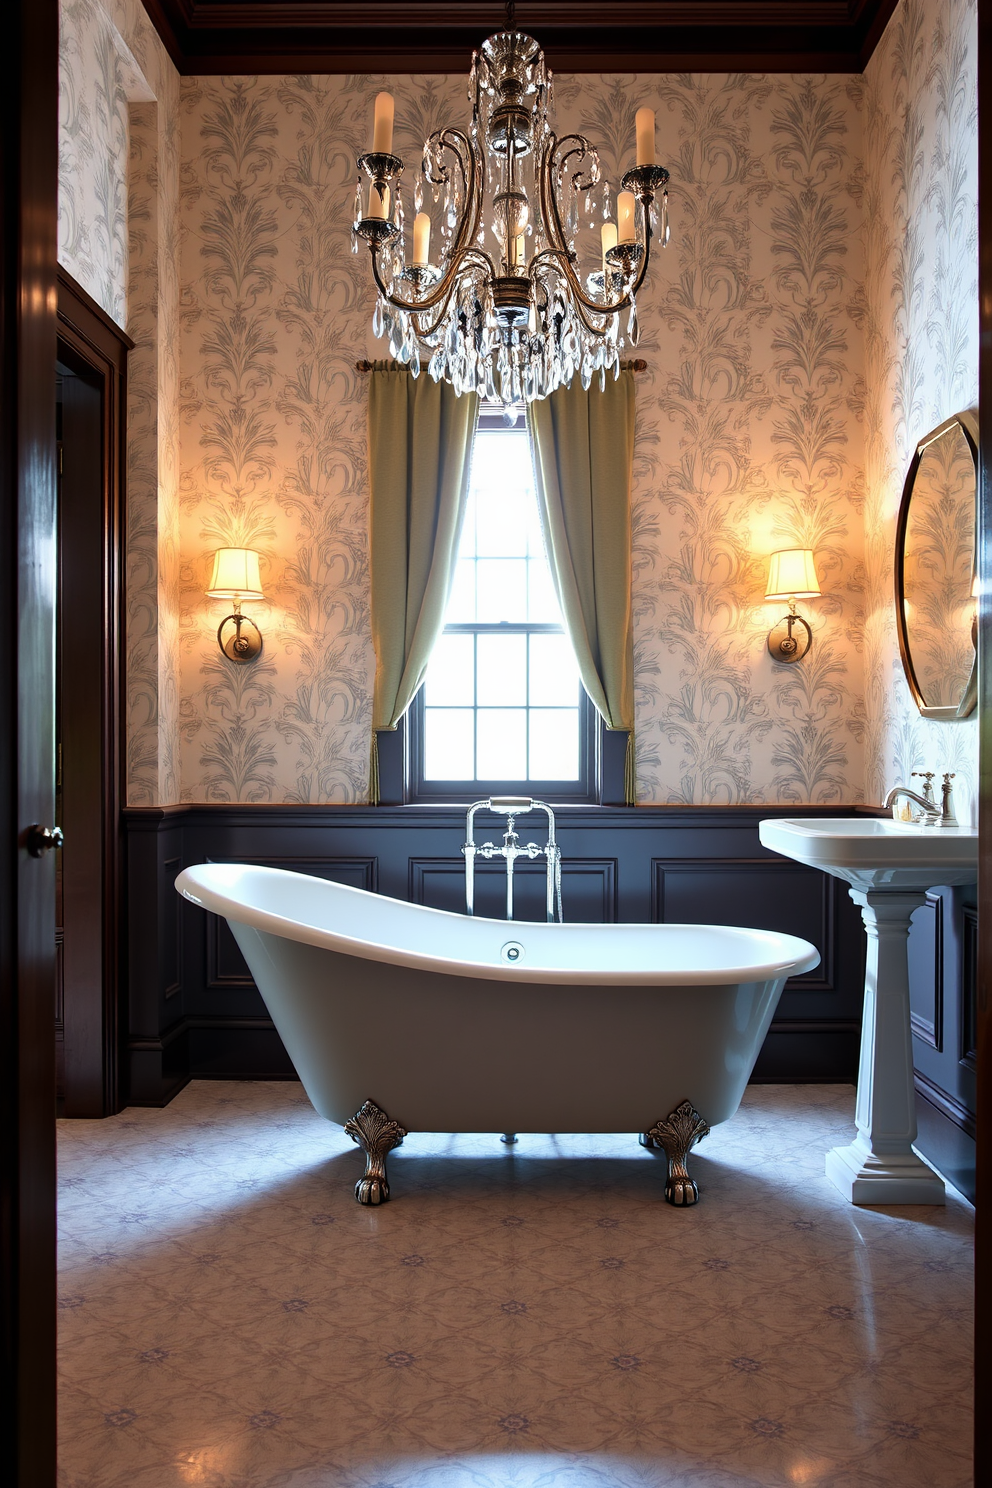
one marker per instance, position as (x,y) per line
(393,1013)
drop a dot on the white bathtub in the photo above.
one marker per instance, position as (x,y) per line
(424,1015)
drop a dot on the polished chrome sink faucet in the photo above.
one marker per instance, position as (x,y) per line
(932,814)
(512,807)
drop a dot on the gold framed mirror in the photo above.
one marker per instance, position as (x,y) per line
(935,571)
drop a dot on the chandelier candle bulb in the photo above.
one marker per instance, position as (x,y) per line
(382,128)
(421,240)
(625,218)
(644,124)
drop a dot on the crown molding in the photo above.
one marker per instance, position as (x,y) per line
(414,36)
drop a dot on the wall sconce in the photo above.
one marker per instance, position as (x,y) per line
(236,577)
(791,576)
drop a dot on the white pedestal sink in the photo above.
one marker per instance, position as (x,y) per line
(889,866)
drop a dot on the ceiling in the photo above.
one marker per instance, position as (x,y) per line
(405,36)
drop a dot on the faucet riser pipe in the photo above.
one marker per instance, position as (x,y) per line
(512,806)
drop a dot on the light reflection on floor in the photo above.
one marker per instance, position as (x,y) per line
(532,1317)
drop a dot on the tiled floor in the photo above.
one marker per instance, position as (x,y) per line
(534,1317)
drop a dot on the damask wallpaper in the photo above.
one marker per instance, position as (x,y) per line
(815,311)
(747,436)
(921,337)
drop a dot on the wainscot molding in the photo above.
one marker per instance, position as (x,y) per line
(194,1011)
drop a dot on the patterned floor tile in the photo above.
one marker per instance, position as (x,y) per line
(526,1317)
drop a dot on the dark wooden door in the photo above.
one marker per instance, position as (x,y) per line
(28,173)
(92,354)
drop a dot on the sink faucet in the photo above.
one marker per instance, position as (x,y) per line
(933,815)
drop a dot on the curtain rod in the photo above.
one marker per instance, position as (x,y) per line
(637,365)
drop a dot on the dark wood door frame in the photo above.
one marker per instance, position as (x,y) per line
(28,182)
(91,545)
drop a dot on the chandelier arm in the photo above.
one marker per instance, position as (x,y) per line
(444,287)
(449,138)
(581,148)
(582,305)
(469,254)
(556,231)
(472,184)
(548,199)
(467,228)
(552,216)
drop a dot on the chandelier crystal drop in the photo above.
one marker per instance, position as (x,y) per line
(503,310)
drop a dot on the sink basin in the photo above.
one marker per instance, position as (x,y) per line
(876,852)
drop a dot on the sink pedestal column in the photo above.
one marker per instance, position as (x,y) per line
(880,1166)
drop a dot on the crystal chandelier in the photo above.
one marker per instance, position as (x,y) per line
(504,310)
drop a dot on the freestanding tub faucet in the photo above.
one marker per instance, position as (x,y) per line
(512,807)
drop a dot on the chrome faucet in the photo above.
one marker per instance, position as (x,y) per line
(512,807)
(932,814)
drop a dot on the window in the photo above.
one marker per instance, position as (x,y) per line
(502,708)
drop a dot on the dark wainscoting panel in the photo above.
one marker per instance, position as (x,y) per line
(194,1010)
(942,986)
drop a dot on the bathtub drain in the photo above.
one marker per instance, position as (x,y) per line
(512,953)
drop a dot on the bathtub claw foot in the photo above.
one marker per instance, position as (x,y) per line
(372,1129)
(678,1133)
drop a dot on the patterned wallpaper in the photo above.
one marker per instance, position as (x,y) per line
(921,337)
(747,437)
(799,338)
(118,236)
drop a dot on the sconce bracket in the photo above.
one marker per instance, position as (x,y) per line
(239,638)
(786,641)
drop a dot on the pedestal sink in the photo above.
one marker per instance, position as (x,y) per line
(889,866)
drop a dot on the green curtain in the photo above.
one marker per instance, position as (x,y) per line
(420,445)
(583,455)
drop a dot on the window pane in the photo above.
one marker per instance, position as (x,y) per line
(502,589)
(451,674)
(448,744)
(461,601)
(554,744)
(554,676)
(502,521)
(502,744)
(502,670)
(542,602)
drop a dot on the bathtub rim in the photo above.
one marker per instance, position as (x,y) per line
(799,955)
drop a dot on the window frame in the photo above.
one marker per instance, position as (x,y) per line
(585,791)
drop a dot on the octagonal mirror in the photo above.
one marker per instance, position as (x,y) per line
(935,571)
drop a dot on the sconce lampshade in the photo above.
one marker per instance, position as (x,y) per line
(235,575)
(792,575)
